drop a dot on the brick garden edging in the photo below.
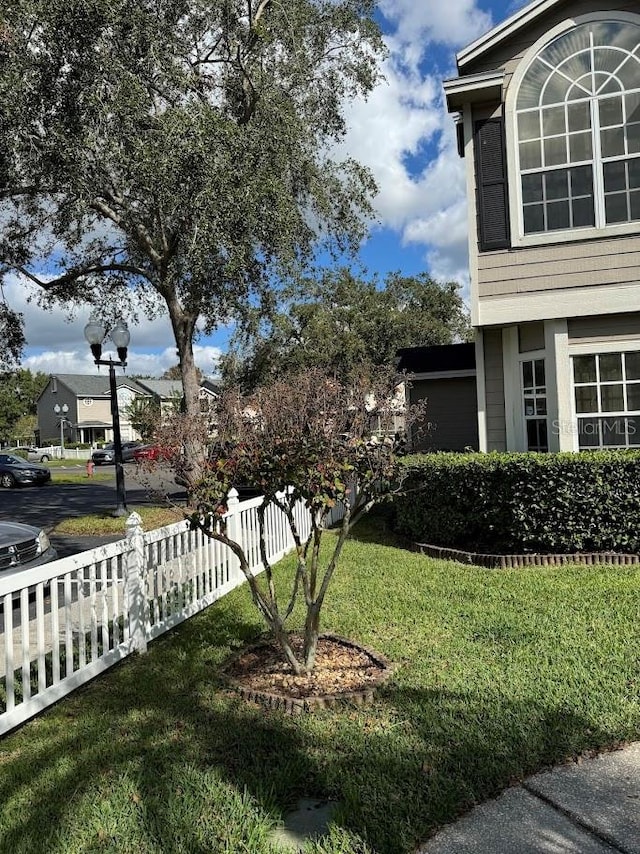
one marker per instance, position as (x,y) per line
(298,705)
(497,561)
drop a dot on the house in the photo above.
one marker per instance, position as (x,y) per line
(87,418)
(444,375)
(209,393)
(548,111)
(88,413)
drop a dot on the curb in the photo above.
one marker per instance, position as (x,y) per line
(519,561)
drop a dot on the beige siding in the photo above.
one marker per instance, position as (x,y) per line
(508,54)
(605,261)
(604,328)
(597,261)
(494,390)
(451,413)
(100,410)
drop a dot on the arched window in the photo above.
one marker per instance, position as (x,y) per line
(578,130)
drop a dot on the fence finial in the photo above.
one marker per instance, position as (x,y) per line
(134,521)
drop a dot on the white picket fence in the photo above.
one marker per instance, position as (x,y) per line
(67,621)
(54,452)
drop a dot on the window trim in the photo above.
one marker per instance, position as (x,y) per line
(601,350)
(518,237)
(531,356)
(583,347)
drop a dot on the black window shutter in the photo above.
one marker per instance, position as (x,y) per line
(491,181)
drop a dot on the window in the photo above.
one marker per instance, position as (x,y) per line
(607,399)
(578,130)
(534,396)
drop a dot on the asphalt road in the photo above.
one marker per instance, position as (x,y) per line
(45,506)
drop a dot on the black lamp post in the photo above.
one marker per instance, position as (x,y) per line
(61,413)
(96,333)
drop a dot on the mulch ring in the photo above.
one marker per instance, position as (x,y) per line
(344,671)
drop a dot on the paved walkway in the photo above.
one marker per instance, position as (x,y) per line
(589,807)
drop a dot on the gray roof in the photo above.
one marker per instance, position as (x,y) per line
(209,385)
(90,385)
(163,388)
(97,385)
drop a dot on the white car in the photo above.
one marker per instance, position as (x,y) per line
(23,546)
(33,455)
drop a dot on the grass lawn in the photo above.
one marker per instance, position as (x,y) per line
(101,524)
(501,673)
(80,476)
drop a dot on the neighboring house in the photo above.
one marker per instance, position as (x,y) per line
(167,392)
(209,393)
(89,407)
(88,399)
(549,124)
(444,375)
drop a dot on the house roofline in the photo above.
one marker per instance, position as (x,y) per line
(485,86)
(504,30)
(442,375)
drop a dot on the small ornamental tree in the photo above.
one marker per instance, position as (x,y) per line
(308,440)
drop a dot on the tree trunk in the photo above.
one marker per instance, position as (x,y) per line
(311,634)
(183,328)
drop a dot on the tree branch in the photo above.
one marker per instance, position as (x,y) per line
(80,273)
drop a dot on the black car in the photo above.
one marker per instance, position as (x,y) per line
(107,455)
(14,471)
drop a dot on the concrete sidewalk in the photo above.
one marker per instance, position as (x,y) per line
(590,807)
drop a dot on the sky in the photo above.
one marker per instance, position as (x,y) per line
(402,132)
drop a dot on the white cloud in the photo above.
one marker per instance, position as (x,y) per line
(405,121)
(455,22)
(56,343)
(79,361)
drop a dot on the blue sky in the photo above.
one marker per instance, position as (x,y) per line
(402,133)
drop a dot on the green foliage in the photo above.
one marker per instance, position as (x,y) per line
(174,373)
(144,415)
(501,674)
(179,149)
(341,323)
(12,338)
(19,392)
(523,502)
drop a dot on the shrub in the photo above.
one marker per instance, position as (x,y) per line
(301,441)
(523,502)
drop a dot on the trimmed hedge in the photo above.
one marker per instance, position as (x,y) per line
(517,503)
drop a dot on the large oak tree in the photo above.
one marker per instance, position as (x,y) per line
(179,149)
(342,322)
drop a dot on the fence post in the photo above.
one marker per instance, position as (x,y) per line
(135,584)
(234,530)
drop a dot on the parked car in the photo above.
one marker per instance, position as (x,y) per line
(149,452)
(23,546)
(36,455)
(107,455)
(14,471)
